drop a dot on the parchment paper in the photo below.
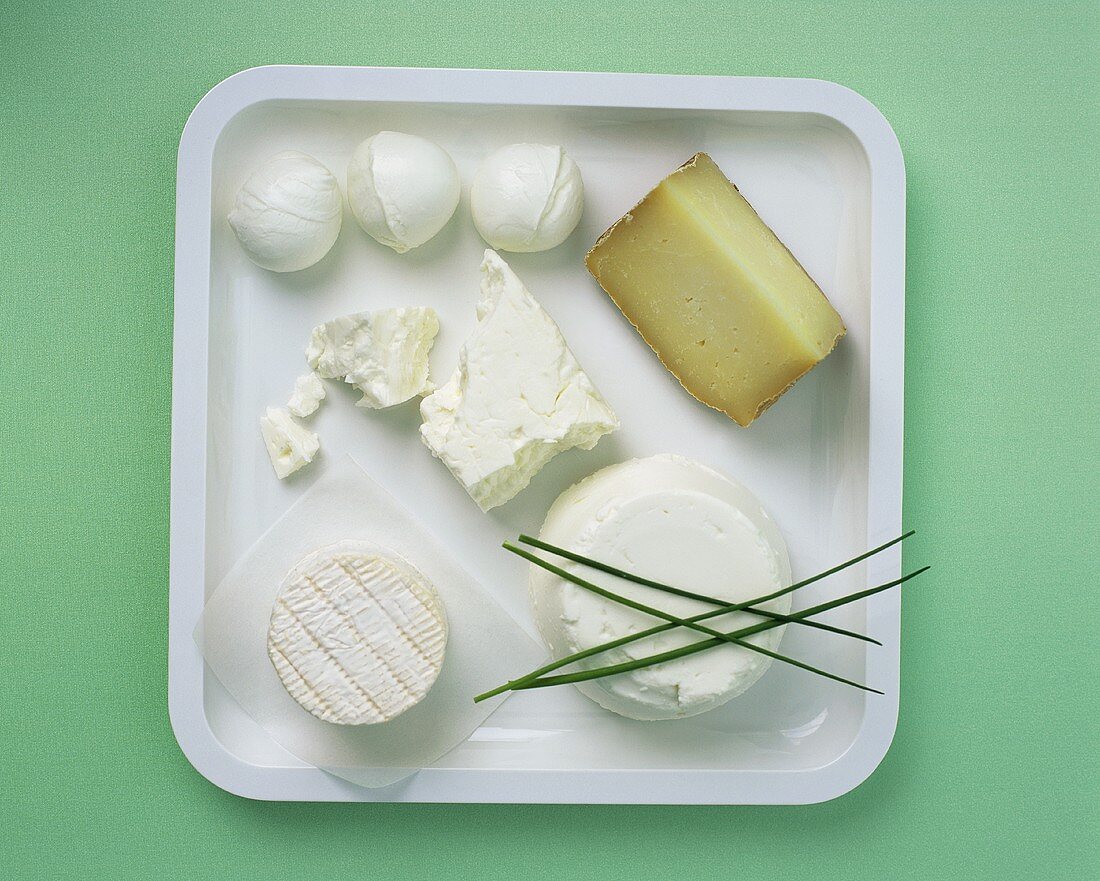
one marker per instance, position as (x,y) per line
(485,646)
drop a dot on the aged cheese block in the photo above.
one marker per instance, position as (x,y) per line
(718,297)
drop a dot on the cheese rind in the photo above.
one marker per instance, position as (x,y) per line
(384,354)
(677,521)
(290,446)
(357,635)
(517,398)
(723,303)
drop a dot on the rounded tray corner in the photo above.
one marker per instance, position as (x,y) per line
(205,753)
(859,762)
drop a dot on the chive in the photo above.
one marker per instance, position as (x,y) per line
(673,654)
(629,638)
(703,598)
(672,619)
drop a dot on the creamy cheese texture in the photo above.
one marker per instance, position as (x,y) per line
(682,523)
(287,215)
(402,189)
(357,635)
(517,398)
(290,445)
(527,197)
(308,393)
(384,354)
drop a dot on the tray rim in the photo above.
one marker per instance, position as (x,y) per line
(186,669)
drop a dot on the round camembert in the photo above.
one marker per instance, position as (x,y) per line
(682,523)
(357,635)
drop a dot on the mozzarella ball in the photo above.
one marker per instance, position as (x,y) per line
(527,197)
(402,189)
(287,215)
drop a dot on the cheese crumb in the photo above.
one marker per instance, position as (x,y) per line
(309,391)
(290,445)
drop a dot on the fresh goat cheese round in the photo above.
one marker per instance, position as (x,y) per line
(402,189)
(287,215)
(676,521)
(357,635)
(527,197)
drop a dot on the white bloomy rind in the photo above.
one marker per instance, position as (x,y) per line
(402,189)
(682,523)
(517,398)
(384,354)
(527,197)
(287,215)
(290,446)
(357,635)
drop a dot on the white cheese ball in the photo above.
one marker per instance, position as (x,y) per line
(527,197)
(287,215)
(679,522)
(402,189)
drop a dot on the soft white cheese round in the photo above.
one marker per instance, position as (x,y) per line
(287,215)
(682,523)
(527,197)
(357,635)
(402,189)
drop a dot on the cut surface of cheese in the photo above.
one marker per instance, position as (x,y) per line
(679,522)
(357,635)
(384,354)
(517,398)
(290,445)
(723,303)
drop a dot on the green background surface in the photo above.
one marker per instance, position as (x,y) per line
(993,773)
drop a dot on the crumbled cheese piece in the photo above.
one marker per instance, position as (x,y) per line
(384,354)
(290,445)
(309,391)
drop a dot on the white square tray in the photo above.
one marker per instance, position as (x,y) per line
(823,168)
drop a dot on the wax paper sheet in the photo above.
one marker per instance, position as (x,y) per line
(485,646)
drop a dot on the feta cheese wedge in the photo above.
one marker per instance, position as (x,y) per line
(309,391)
(384,354)
(289,445)
(517,398)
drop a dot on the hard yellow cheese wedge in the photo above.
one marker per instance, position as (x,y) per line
(712,290)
